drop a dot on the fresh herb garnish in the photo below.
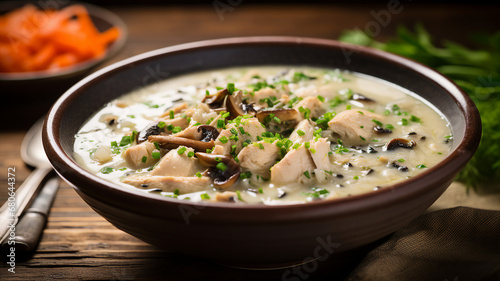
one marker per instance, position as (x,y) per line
(317,193)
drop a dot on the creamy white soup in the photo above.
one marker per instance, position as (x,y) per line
(265,135)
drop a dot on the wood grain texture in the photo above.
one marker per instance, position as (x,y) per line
(80,245)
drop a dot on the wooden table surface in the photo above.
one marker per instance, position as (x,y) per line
(80,245)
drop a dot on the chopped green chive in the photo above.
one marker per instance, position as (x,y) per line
(421,166)
(171,114)
(261,191)
(198,174)
(259,145)
(348,107)
(204,196)
(125,140)
(389,126)
(245,175)
(223,139)
(190,154)
(414,118)
(107,170)
(157,145)
(239,195)
(144,159)
(155,155)
(230,88)
(306,173)
(322,99)
(220,123)
(181,150)
(378,122)
(362,138)
(221,166)
(401,160)
(177,192)
(361,112)
(404,121)
(300,132)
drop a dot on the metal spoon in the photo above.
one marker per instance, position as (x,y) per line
(24,232)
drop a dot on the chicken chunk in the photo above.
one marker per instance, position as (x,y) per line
(292,167)
(304,127)
(252,128)
(202,114)
(264,93)
(320,151)
(175,164)
(311,103)
(190,132)
(258,157)
(134,155)
(170,183)
(354,126)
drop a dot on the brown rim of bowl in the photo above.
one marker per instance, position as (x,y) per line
(415,186)
(113,48)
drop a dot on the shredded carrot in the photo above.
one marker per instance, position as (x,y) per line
(34,40)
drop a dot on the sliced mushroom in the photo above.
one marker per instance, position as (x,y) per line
(399,167)
(379,130)
(236,107)
(223,178)
(216,100)
(208,133)
(287,118)
(396,143)
(170,142)
(150,130)
(361,98)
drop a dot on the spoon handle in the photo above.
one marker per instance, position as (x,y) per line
(9,215)
(30,227)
